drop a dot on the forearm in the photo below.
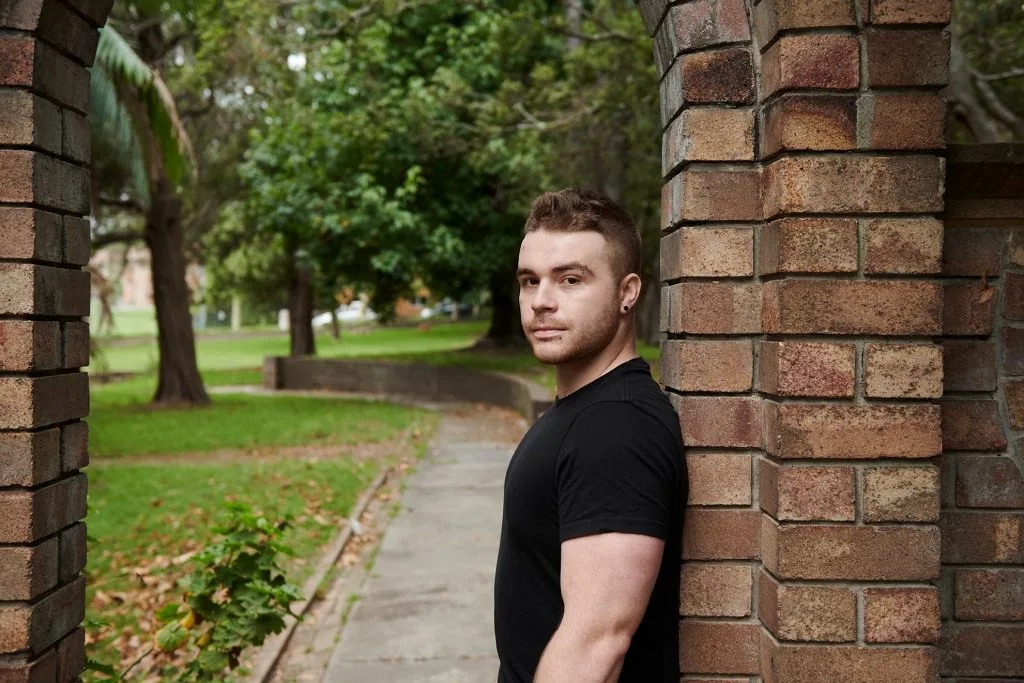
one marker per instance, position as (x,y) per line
(573,657)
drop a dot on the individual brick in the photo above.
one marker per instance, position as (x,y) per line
(973,251)
(671,90)
(901,615)
(27,572)
(829,61)
(37,626)
(991,650)
(33,64)
(29,289)
(22,15)
(705,23)
(31,402)
(710,134)
(853,184)
(72,552)
(721,534)
(808,245)
(718,195)
(907,58)
(74,446)
(665,313)
(29,458)
(989,594)
(971,426)
(712,308)
(798,122)
(28,177)
(77,241)
(68,32)
(27,120)
(818,613)
(967,309)
(989,482)
(915,12)
(807,369)
(29,346)
(982,537)
(77,137)
(727,421)
(27,516)
(715,590)
(902,121)
(76,344)
(1013,350)
(71,656)
(901,494)
(1013,296)
(903,246)
(792,493)
(830,430)
(652,12)
(718,478)
(722,366)
(30,234)
(20,670)
(717,77)
(887,307)
(785,663)
(1013,394)
(711,647)
(783,15)
(708,252)
(970,365)
(903,370)
(850,553)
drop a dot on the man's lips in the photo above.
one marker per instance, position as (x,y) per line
(546,332)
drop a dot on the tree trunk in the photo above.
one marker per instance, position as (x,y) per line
(300,313)
(506,326)
(335,326)
(179,380)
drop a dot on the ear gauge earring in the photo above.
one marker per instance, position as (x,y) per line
(625,308)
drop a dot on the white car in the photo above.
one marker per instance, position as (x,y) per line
(352,312)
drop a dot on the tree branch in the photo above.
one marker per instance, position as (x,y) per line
(123,204)
(597,37)
(108,238)
(1012,73)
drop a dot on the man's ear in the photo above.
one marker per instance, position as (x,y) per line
(629,291)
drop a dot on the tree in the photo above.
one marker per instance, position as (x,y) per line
(135,115)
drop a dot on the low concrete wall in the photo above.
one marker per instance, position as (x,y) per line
(428,382)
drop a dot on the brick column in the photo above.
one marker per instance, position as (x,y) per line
(803,174)
(45,48)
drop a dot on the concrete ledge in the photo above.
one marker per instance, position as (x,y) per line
(427,382)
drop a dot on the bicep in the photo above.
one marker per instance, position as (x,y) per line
(607,579)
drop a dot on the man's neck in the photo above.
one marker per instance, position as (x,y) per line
(570,377)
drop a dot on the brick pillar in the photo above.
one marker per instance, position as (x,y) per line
(45,47)
(803,174)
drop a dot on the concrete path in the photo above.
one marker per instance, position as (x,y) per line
(424,615)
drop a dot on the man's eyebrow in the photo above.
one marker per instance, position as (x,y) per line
(575,265)
(524,271)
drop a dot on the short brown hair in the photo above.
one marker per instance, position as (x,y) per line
(577,210)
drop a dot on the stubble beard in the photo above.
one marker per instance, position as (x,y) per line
(579,341)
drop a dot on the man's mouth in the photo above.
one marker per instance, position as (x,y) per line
(546,332)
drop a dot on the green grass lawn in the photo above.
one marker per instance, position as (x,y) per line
(217,353)
(121,423)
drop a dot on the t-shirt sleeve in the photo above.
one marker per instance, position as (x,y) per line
(617,472)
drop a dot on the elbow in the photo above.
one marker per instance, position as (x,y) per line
(611,645)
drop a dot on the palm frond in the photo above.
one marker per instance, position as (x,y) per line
(133,109)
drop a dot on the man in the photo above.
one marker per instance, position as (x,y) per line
(587,582)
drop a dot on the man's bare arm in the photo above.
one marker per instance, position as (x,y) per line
(606,581)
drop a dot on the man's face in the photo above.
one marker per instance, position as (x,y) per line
(568,294)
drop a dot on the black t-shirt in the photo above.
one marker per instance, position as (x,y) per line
(606,458)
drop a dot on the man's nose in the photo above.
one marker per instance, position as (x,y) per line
(543,298)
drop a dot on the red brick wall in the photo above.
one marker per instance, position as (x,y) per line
(983,415)
(801,257)
(45,48)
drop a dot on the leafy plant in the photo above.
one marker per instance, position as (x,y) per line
(236,596)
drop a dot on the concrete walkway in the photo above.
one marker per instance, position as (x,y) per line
(424,615)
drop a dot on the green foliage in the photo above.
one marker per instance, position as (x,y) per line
(236,597)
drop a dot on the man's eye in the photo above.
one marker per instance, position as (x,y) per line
(571,280)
